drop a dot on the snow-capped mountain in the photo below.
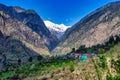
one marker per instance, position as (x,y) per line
(56,29)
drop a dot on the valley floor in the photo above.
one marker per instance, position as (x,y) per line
(91,69)
(103,67)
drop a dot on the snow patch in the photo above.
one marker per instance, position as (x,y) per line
(56,29)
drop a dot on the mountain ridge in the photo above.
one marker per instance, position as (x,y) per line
(17,30)
(33,21)
(93,29)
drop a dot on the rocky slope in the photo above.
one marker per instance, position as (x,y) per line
(56,29)
(13,49)
(93,29)
(31,19)
(17,30)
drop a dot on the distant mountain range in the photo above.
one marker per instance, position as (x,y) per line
(56,29)
(93,29)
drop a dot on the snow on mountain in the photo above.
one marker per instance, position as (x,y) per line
(56,29)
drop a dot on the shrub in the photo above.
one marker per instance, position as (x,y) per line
(117,65)
(103,63)
(30,59)
(19,61)
(101,51)
(72,68)
(109,77)
(39,58)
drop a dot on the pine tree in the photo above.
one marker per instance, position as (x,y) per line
(30,59)
(19,61)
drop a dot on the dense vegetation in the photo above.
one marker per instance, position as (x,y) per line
(104,67)
(38,68)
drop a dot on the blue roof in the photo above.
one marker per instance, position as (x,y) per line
(83,58)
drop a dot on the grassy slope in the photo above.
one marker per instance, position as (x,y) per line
(39,69)
(97,68)
(104,67)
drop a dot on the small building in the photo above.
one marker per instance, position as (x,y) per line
(77,55)
(87,54)
(93,54)
(82,58)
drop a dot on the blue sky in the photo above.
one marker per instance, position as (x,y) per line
(66,12)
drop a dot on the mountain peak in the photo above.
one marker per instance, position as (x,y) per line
(57,29)
(18,9)
(30,11)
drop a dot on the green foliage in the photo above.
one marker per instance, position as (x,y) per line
(7,74)
(101,52)
(82,51)
(89,50)
(73,50)
(72,68)
(30,59)
(103,62)
(19,61)
(101,48)
(109,77)
(117,65)
(34,69)
(39,58)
